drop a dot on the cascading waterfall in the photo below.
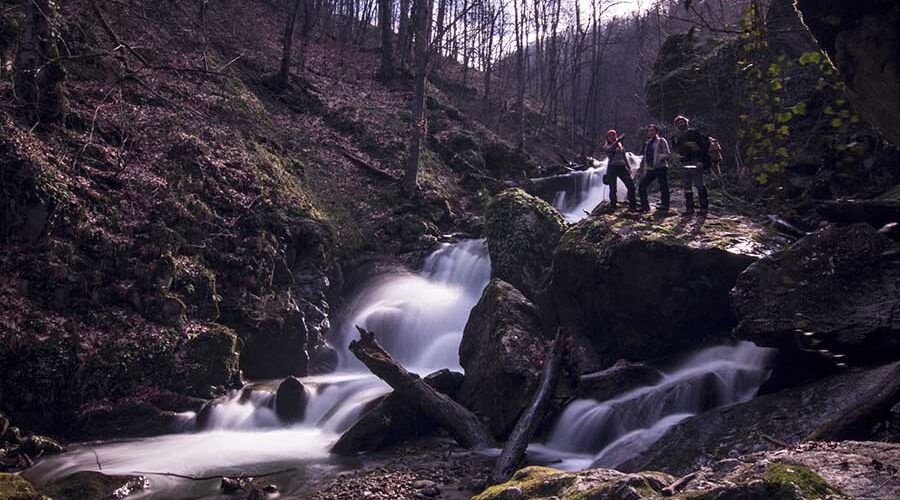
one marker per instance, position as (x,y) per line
(607,433)
(420,319)
(588,189)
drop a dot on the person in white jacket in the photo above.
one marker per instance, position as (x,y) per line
(655,161)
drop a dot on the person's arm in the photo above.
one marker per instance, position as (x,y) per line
(663,152)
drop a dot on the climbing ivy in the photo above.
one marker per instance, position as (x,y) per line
(777,100)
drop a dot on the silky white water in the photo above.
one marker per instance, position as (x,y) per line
(607,433)
(588,190)
(419,318)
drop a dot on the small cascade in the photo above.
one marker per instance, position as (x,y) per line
(607,433)
(588,190)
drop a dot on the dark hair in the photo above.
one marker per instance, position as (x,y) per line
(653,126)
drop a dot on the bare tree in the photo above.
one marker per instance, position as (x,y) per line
(419,125)
(386,8)
(39,74)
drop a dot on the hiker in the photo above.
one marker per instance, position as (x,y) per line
(617,168)
(692,148)
(656,162)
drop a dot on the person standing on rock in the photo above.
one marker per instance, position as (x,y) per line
(692,148)
(617,168)
(656,162)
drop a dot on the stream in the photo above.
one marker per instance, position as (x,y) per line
(424,313)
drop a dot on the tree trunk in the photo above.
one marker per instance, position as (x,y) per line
(858,421)
(403,33)
(287,47)
(39,75)
(386,8)
(514,450)
(420,124)
(465,427)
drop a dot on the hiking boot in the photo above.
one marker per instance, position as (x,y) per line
(644,208)
(688,204)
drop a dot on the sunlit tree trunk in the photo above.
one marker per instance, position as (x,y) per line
(419,125)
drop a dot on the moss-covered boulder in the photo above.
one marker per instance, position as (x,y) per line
(606,484)
(16,487)
(522,231)
(89,485)
(212,357)
(642,289)
(835,292)
(502,351)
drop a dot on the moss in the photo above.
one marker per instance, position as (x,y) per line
(786,480)
(15,487)
(532,482)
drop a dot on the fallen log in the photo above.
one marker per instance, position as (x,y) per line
(514,450)
(857,421)
(465,427)
(874,212)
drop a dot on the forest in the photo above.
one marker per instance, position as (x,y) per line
(487,249)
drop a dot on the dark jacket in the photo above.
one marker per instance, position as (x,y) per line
(692,147)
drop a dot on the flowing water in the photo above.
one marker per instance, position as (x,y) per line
(419,318)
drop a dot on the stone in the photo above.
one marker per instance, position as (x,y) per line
(618,379)
(862,40)
(835,292)
(90,485)
(213,357)
(643,291)
(16,487)
(522,232)
(502,351)
(277,346)
(788,416)
(291,399)
(391,420)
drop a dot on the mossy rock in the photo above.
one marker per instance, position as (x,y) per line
(789,482)
(89,485)
(592,484)
(522,233)
(16,487)
(213,357)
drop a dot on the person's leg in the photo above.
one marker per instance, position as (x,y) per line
(642,188)
(629,186)
(662,175)
(702,192)
(689,191)
(613,186)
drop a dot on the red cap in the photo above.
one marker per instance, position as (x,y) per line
(611,132)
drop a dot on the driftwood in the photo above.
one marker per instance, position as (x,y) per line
(874,212)
(465,427)
(368,166)
(514,450)
(870,408)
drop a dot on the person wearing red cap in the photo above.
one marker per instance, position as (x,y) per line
(617,168)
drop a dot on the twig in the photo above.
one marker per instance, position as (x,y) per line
(776,442)
(97,459)
(218,476)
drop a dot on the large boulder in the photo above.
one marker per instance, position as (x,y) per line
(16,487)
(862,39)
(789,416)
(291,399)
(502,351)
(522,231)
(836,292)
(618,379)
(212,358)
(276,346)
(393,420)
(643,290)
(811,471)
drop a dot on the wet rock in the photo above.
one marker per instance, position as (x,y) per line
(502,351)
(862,41)
(834,292)
(323,359)
(125,418)
(290,400)
(522,232)
(276,346)
(392,420)
(545,482)
(789,416)
(643,291)
(617,379)
(89,485)
(166,308)
(16,487)
(212,356)
(40,446)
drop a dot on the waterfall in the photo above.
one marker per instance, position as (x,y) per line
(607,433)
(588,190)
